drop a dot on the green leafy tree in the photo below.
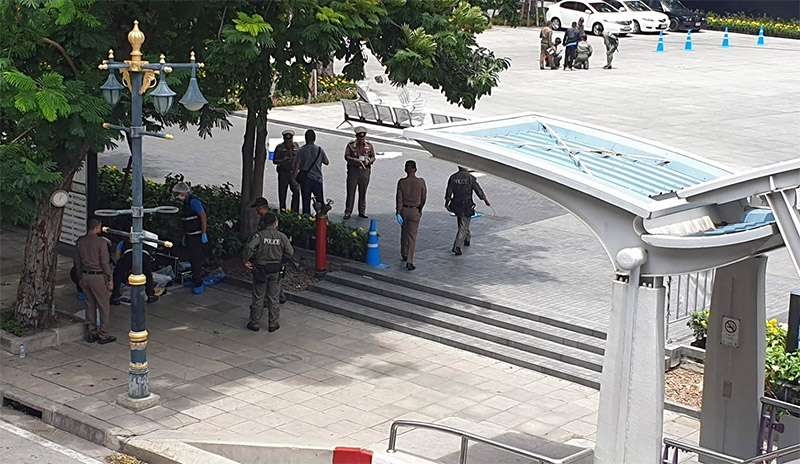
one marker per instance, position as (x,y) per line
(266,46)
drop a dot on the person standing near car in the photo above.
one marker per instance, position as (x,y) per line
(612,45)
(284,158)
(308,170)
(571,39)
(546,41)
(581,29)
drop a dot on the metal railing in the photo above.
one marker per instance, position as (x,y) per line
(769,421)
(467,436)
(677,446)
(768,425)
(686,294)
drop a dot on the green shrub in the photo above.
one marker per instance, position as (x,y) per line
(783,368)
(223,207)
(739,22)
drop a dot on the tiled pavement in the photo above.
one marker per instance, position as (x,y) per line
(320,377)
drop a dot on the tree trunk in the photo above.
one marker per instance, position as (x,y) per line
(40,263)
(248,150)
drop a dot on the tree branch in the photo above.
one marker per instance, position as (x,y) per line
(221,23)
(23,134)
(58,47)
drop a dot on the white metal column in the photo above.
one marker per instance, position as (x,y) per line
(733,381)
(631,414)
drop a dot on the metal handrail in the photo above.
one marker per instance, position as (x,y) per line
(789,407)
(467,436)
(709,453)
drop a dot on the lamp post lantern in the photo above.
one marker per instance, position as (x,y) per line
(139,76)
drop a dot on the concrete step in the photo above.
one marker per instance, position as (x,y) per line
(526,325)
(467,325)
(501,352)
(563,321)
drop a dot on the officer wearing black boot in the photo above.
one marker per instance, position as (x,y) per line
(458,200)
(194,221)
(262,208)
(263,257)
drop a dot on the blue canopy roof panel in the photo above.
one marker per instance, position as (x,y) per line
(633,167)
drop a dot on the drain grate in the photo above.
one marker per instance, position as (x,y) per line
(17,406)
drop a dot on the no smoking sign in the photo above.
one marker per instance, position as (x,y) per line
(730,331)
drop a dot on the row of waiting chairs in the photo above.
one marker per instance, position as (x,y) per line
(360,111)
(444,119)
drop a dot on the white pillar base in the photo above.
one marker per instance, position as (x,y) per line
(631,415)
(733,379)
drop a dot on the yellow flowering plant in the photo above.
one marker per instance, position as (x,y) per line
(782,376)
(698,322)
(741,23)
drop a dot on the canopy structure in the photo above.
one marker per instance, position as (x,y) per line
(657,211)
(687,212)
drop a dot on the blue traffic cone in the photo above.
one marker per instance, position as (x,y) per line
(373,252)
(725,42)
(688,46)
(660,46)
(761,36)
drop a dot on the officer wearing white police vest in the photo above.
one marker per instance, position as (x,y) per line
(263,257)
(458,200)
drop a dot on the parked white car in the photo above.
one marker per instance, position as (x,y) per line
(644,19)
(598,16)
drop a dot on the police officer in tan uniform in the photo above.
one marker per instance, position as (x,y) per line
(91,264)
(263,256)
(284,158)
(458,200)
(360,156)
(410,199)
(261,206)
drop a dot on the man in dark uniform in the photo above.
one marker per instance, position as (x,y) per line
(123,269)
(263,256)
(195,221)
(458,200)
(360,156)
(91,263)
(410,199)
(284,158)
(262,208)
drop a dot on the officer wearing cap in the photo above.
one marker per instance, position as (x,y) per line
(284,158)
(262,208)
(263,257)
(410,199)
(360,156)
(458,200)
(194,221)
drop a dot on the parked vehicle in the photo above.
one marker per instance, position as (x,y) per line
(680,17)
(598,16)
(644,19)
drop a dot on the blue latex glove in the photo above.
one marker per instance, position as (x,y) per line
(183,241)
(204,238)
(400,219)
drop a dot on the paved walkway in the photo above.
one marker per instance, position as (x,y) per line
(320,377)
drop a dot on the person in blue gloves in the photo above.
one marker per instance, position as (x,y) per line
(410,199)
(194,221)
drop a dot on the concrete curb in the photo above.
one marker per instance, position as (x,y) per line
(42,340)
(68,419)
(682,409)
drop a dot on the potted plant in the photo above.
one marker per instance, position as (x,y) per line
(782,375)
(698,322)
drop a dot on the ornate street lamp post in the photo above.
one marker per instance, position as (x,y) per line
(139,76)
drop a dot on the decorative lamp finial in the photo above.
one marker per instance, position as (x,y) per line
(110,53)
(136,39)
(191,56)
(162,59)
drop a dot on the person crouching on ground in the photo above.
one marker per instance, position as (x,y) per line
(583,52)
